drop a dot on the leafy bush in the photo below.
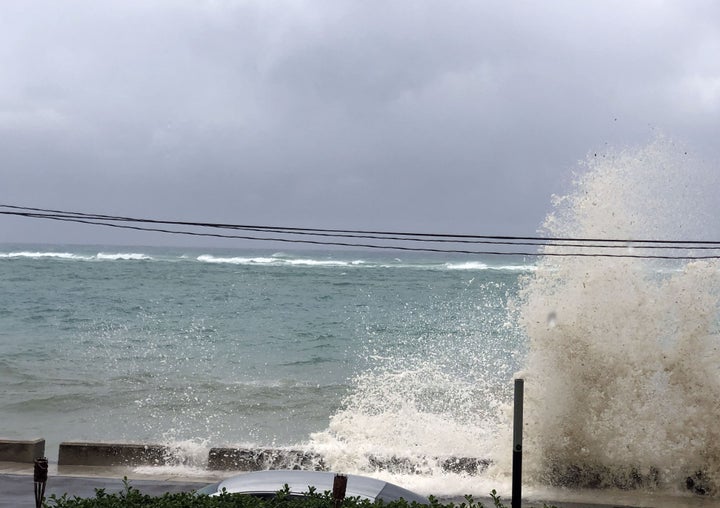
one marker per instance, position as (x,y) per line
(132,498)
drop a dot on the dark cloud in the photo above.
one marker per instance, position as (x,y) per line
(461,116)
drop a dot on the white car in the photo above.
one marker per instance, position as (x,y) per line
(268,483)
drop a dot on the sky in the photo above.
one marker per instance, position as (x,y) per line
(422,116)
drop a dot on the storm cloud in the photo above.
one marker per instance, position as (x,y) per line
(418,116)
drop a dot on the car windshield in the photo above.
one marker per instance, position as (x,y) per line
(210,489)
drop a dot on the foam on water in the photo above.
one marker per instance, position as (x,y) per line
(130,256)
(428,397)
(100,256)
(41,255)
(622,373)
(478,265)
(402,426)
(207,258)
(469,265)
(275,261)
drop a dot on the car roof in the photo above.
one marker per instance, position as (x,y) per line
(269,482)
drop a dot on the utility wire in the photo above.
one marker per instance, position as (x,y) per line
(434,236)
(374,246)
(581,243)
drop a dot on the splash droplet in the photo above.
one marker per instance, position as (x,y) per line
(551,319)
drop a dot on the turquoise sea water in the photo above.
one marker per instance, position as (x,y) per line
(224,347)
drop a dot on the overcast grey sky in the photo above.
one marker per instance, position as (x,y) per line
(442,116)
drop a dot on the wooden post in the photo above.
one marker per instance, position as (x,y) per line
(339,488)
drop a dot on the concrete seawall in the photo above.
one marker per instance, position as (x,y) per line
(12,450)
(218,459)
(74,455)
(112,454)
(248,459)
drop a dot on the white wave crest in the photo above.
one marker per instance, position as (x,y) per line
(208,258)
(479,265)
(467,265)
(275,261)
(44,255)
(101,256)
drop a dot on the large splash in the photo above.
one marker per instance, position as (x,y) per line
(623,368)
(622,355)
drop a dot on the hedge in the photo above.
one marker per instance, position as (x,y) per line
(130,497)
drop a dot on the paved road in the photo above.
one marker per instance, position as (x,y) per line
(17,487)
(17,491)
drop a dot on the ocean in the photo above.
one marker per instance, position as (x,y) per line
(215,347)
(367,355)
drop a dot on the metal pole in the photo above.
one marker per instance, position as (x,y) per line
(40,474)
(517,444)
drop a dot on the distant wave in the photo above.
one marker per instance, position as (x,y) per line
(467,265)
(101,256)
(285,260)
(207,258)
(479,265)
(123,256)
(43,255)
(275,261)
(515,268)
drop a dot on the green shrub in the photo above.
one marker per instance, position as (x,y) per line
(132,498)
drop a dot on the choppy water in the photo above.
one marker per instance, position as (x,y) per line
(231,347)
(358,355)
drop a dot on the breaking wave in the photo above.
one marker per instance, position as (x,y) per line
(623,369)
(621,357)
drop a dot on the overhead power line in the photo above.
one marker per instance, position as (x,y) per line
(552,246)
